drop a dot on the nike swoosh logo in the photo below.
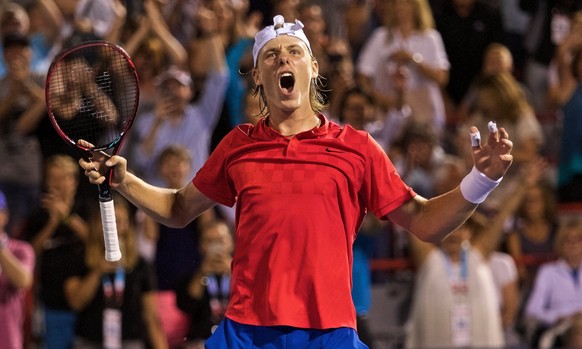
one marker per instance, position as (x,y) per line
(330,150)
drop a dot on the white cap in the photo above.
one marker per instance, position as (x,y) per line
(175,73)
(269,33)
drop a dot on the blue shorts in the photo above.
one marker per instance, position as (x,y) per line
(233,335)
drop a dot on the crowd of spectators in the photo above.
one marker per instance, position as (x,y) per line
(415,74)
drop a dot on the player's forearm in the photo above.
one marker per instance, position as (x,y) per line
(438,217)
(156,202)
(44,234)
(170,207)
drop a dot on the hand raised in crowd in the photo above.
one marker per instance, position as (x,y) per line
(153,13)
(167,107)
(207,22)
(251,23)
(57,208)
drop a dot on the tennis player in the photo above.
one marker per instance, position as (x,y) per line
(302,185)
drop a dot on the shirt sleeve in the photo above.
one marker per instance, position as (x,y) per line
(212,179)
(539,297)
(438,55)
(383,189)
(504,268)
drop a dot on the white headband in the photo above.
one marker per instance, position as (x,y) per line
(269,33)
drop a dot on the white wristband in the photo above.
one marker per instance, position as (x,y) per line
(476,186)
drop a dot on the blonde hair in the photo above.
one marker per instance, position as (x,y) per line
(423,17)
(94,245)
(62,161)
(507,93)
(496,47)
(174,150)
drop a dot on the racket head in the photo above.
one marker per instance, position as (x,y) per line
(92,93)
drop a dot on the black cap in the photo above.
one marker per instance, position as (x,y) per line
(15,39)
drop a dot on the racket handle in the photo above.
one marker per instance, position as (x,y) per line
(112,252)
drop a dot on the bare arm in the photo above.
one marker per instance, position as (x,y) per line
(20,84)
(419,250)
(440,76)
(154,23)
(510,296)
(138,36)
(514,249)
(487,240)
(18,275)
(432,220)
(114,34)
(173,47)
(80,291)
(207,52)
(171,207)
(30,119)
(43,235)
(53,18)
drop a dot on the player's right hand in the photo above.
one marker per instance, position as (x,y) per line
(100,164)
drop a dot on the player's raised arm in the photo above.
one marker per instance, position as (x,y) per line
(171,207)
(433,219)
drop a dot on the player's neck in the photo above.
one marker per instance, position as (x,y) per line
(293,123)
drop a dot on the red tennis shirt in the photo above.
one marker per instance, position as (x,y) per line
(299,203)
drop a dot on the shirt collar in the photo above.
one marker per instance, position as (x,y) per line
(266,132)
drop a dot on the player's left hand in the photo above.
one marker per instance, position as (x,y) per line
(493,157)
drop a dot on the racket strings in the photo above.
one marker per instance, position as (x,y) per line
(94,95)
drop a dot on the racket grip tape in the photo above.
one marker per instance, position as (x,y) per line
(112,252)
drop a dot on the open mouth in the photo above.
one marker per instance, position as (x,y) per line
(286,82)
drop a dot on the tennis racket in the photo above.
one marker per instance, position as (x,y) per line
(92,94)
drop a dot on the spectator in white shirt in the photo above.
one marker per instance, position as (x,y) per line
(557,292)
